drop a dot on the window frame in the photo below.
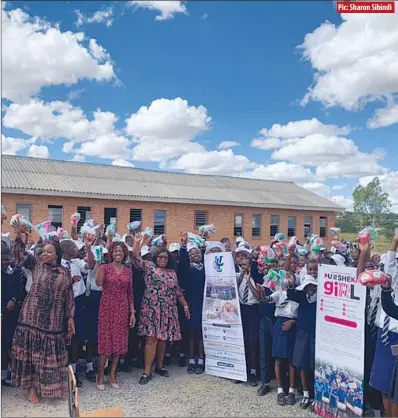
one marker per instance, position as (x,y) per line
(84,218)
(206,216)
(30,209)
(133,218)
(55,224)
(289,233)
(110,217)
(242,224)
(156,232)
(323,229)
(259,216)
(271,225)
(311,225)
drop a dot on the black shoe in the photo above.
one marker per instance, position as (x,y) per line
(252,380)
(191,368)
(280,399)
(290,399)
(263,389)
(181,361)
(6,383)
(200,369)
(236,381)
(167,360)
(79,383)
(305,402)
(91,376)
(311,407)
(145,379)
(162,372)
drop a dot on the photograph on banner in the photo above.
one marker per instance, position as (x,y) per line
(221,301)
(221,320)
(340,342)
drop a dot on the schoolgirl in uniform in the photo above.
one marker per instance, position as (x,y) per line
(283,339)
(304,348)
(383,362)
(192,271)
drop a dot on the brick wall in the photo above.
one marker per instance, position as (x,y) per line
(179,217)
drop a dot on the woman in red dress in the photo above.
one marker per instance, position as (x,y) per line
(116,312)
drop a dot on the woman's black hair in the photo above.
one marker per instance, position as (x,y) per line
(58,250)
(171,264)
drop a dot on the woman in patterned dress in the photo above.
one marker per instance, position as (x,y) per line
(39,354)
(159,314)
(116,312)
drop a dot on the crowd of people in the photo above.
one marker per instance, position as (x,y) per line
(136,301)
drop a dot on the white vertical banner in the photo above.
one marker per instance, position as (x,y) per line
(340,342)
(221,320)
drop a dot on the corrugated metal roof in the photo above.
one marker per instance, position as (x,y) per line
(62,178)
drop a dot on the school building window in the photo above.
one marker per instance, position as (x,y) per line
(307,226)
(85,214)
(135,215)
(55,215)
(256,225)
(201,217)
(159,226)
(322,226)
(291,226)
(274,225)
(25,210)
(110,216)
(238,225)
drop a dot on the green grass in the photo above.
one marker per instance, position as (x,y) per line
(381,245)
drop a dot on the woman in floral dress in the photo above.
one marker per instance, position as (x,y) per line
(39,354)
(159,314)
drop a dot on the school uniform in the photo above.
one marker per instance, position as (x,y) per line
(249,312)
(77,267)
(193,278)
(267,320)
(304,347)
(383,362)
(283,341)
(93,293)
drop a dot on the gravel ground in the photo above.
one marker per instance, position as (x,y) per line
(178,396)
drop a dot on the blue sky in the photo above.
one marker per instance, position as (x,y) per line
(226,71)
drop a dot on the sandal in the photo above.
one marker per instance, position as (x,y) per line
(145,379)
(162,372)
(99,387)
(33,398)
(115,385)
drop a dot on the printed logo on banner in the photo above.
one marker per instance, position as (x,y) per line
(218,263)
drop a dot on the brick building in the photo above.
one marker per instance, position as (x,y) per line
(43,189)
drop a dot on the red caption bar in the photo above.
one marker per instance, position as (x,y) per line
(365,7)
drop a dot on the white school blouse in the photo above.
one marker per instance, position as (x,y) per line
(283,306)
(77,267)
(91,284)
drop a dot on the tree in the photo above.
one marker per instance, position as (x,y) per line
(370,200)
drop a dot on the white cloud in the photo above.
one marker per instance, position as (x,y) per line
(346,202)
(113,147)
(75,94)
(228,144)
(58,120)
(166,128)
(100,16)
(339,186)
(11,146)
(356,166)
(384,117)
(346,58)
(212,162)
(319,188)
(166,8)
(282,171)
(37,54)
(79,158)
(301,128)
(122,163)
(389,184)
(266,144)
(38,151)
(316,149)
